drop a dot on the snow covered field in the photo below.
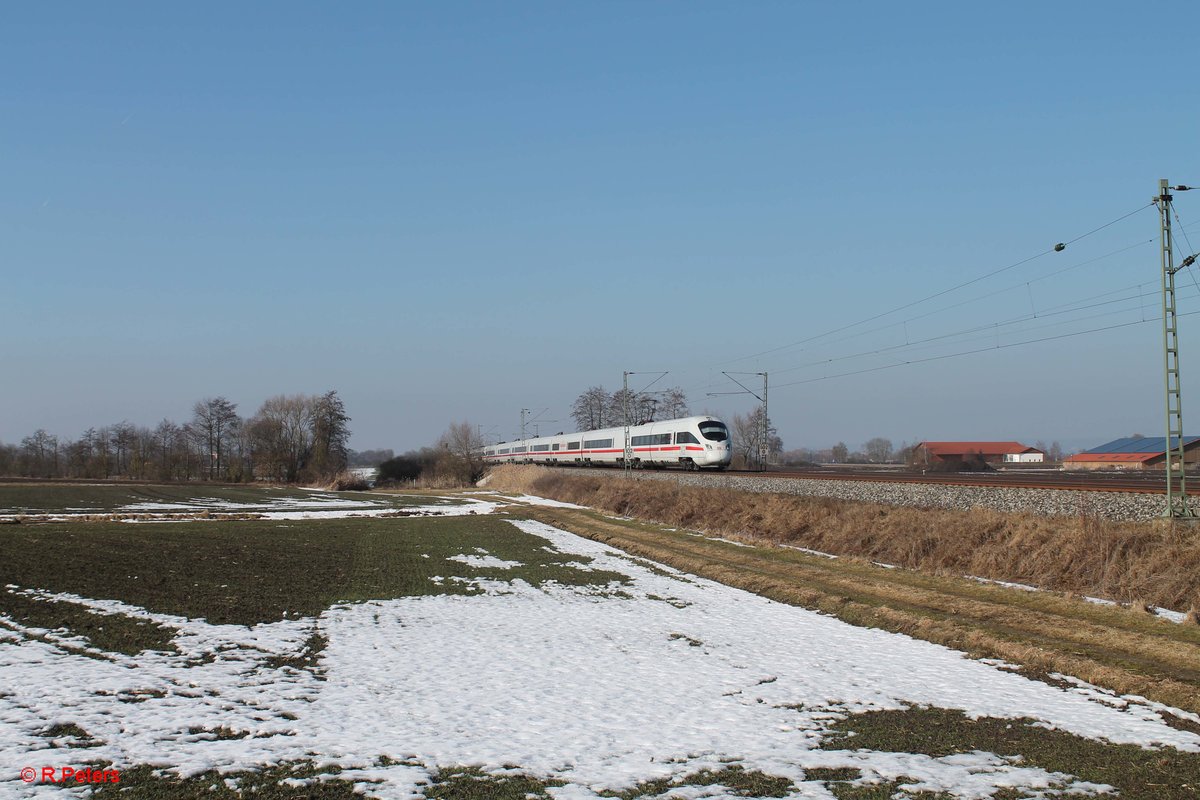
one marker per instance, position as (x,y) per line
(309,504)
(600,686)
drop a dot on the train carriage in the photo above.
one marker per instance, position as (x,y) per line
(688,442)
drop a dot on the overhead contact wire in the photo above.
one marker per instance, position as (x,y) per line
(943,292)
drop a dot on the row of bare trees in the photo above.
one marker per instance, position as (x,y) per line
(596,408)
(290,439)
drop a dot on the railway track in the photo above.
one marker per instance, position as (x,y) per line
(1147,484)
(1151,483)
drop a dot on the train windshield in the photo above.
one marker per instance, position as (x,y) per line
(714,431)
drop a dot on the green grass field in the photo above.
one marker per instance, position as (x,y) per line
(250,571)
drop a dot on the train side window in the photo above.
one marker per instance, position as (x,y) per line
(685,437)
(555,447)
(572,445)
(650,438)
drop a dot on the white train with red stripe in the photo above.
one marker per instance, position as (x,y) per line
(689,442)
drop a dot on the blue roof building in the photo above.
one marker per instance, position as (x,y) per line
(1133,452)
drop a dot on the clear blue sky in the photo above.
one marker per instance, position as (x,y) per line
(450,211)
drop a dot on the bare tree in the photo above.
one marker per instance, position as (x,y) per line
(674,403)
(641,407)
(745,437)
(40,454)
(462,450)
(839,453)
(214,421)
(646,406)
(330,436)
(169,445)
(590,409)
(878,450)
(748,439)
(140,453)
(620,406)
(281,437)
(121,439)
(9,456)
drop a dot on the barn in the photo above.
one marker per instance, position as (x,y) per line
(933,453)
(1133,452)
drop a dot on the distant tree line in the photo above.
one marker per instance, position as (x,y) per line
(290,439)
(596,408)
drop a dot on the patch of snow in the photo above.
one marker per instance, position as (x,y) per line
(1121,701)
(718,539)
(1025,587)
(1168,614)
(319,504)
(532,500)
(479,507)
(1165,613)
(809,552)
(484,562)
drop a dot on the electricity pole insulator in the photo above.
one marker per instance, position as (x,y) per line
(1058,248)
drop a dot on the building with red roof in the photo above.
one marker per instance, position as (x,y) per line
(932,453)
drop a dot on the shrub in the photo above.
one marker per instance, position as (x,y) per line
(349,482)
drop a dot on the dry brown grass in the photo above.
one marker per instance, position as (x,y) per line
(345,481)
(1151,563)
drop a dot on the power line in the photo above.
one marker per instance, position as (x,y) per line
(1056,248)
(1183,230)
(990,331)
(1015,286)
(978,350)
(990,328)
(1107,224)
(1050,311)
(1081,304)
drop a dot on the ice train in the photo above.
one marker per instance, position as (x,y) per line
(688,442)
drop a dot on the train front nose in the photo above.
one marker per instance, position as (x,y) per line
(716,453)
